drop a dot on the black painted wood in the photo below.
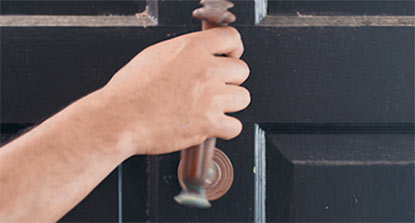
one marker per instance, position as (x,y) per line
(101,205)
(178,13)
(340,177)
(60,62)
(236,206)
(319,75)
(10,132)
(72,7)
(350,89)
(301,75)
(134,190)
(341,7)
(330,74)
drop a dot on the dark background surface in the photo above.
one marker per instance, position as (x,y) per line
(71,7)
(342,7)
(336,105)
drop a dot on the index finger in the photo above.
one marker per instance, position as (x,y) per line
(223,40)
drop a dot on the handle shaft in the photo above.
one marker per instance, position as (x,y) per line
(197,160)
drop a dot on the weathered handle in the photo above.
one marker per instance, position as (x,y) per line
(197,160)
(214,13)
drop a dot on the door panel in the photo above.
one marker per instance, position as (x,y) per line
(341,7)
(340,177)
(72,7)
(330,74)
(63,62)
(328,135)
(306,75)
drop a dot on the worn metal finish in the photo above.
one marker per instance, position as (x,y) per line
(219,176)
(214,13)
(196,161)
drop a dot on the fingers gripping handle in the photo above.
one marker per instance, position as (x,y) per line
(197,160)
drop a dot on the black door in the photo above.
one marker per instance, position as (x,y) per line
(329,135)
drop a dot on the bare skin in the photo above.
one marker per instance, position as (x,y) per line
(171,96)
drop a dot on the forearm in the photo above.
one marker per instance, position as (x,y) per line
(69,154)
(171,96)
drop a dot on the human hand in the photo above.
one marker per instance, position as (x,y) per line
(176,93)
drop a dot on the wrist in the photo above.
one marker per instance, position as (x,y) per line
(100,119)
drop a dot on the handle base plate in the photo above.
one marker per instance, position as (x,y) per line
(219,181)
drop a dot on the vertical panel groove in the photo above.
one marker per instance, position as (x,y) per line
(260,10)
(260,174)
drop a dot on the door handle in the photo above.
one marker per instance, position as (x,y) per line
(205,173)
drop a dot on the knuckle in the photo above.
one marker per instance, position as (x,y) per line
(237,128)
(246,95)
(241,45)
(235,36)
(233,128)
(245,68)
(228,137)
(234,32)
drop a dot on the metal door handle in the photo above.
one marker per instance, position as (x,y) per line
(206,173)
